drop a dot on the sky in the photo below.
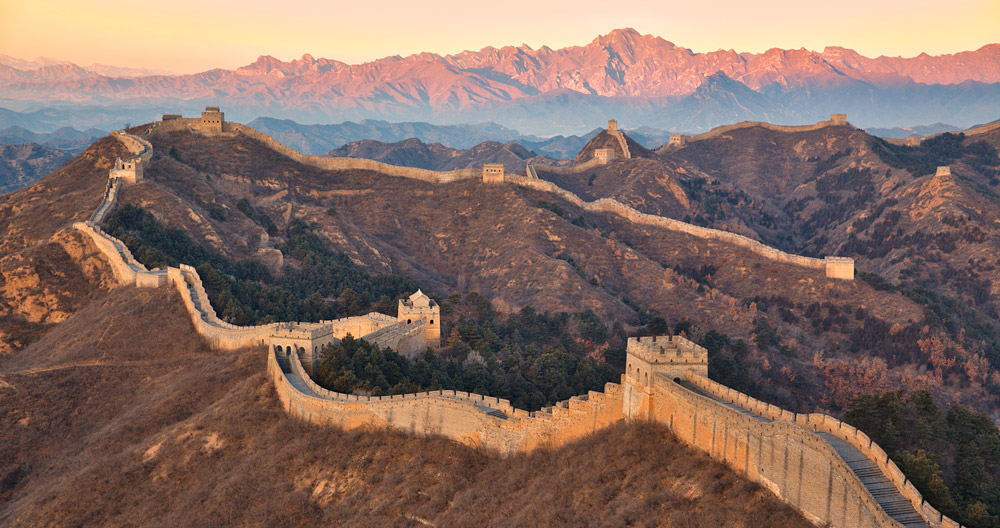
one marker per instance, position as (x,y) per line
(185,36)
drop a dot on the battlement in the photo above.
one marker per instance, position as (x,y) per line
(298,331)
(213,119)
(943,171)
(604,155)
(419,306)
(493,173)
(838,119)
(672,356)
(678,140)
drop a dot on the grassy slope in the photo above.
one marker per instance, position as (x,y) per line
(122,416)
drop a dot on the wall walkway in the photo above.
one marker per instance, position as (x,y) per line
(829,470)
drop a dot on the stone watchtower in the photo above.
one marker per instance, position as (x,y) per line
(677,140)
(912,141)
(419,306)
(130,171)
(493,173)
(651,359)
(943,171)
(212,119)
(838,119)
(612,125)
(306,341)
(604,155)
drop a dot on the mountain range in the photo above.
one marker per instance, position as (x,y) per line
(643,80)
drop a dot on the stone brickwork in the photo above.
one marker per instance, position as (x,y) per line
(493,173)
(420,307)
(603,156)
(798,457)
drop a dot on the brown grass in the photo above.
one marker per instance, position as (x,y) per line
(122,417)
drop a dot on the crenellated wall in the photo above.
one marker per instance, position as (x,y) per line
(719,130)
(472,419)
(835,267)
(807,459)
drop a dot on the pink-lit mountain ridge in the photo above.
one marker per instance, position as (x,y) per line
(642,78)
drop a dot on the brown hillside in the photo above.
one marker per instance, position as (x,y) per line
(435,156)
(46,270)
(604,140)
(527,248)
(122,416)
(22,165)
(829,191)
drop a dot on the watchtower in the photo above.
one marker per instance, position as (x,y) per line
(678,140)
(671,356)
(839,267)
(493,173)
(419,306)
(612,125)
(604,155)
(912,141)
(130,170)
(943,171)
(651,359)
(212,119)
(307,342)
(838,119)
(171,117)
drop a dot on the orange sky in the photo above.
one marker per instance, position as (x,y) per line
(194,35)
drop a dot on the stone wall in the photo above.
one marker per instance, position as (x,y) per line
(472,419)
(779,449)
(328,163)
(719,130)
(835,267)
(817,422)
(795,464)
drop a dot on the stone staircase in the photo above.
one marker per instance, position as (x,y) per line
(885,493)
(867,471)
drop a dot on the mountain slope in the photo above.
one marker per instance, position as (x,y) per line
(415,153)
(637,78)
(21,165)
(116,412)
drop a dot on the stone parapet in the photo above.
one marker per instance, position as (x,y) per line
(835,267)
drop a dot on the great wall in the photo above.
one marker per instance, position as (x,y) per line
(833,473)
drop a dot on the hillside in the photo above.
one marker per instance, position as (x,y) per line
(23,164)
(116,412)
(434,156)
(778,331)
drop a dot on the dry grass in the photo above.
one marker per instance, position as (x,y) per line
(122,417)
